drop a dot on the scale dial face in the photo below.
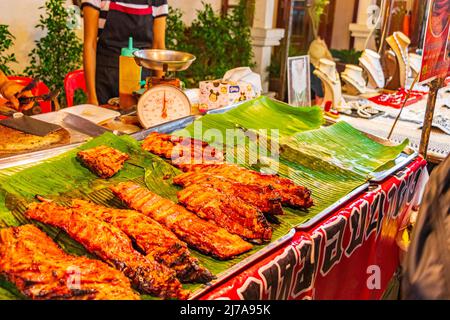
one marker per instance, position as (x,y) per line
(162,103)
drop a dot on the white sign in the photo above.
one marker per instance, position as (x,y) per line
(299,83)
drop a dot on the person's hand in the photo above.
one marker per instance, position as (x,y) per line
(11,91)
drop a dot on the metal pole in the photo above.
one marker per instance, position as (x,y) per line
(403,106)
(386,24)
(435,85)
(285,52)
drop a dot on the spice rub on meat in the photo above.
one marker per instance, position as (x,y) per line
(103,161)
(150,237)
(196,232)
(41,270)
(113,246)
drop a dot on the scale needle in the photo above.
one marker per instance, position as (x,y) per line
(164,110)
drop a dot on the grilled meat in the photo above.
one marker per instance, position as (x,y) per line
(291,194)
(226,211)
(152,238)
(113,246)
(264,198)
(103,161)
(198,156)
(200,234)
(181,150)
(41,270)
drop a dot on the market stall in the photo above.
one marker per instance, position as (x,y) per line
(356,184)
(218,192)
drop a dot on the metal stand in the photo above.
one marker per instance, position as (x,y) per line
(285,53)
(435,85)
(403,106)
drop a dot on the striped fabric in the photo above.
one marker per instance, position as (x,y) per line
(157,8)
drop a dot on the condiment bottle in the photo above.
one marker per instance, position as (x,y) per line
(129,76)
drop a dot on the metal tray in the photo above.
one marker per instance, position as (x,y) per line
(225,109)
(400,162)
(311,222)
(170,127)
(32,157)
(167,127)
(239,266)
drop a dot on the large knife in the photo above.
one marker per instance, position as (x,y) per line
(84,126)
(21,122)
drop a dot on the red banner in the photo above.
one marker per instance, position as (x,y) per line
(436,59)
(352,254)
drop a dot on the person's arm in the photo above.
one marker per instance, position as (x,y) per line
(159,37)
(11,91)
(91,16)
(159,33)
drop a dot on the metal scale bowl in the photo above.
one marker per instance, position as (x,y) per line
(164,60)
(164,100)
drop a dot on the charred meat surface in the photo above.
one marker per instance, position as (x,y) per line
(196,232)
(227,211)
(198,156)
(103,161)
(291,194)
(264,198)
(41,270)
(152,238)
(181,150)
(113,246)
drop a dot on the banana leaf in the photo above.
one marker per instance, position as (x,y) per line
(66,174)
(261,113)
(339,147)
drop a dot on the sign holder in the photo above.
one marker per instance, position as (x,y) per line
(435,64)
(435,85)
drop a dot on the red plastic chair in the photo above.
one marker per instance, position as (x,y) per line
(40,89)
(74,80)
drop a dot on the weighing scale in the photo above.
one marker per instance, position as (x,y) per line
(163,100)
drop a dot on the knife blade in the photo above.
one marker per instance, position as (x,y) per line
(84,126)
(29,125)
(42,98)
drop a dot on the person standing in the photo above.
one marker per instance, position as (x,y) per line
(426,266)
(107,27)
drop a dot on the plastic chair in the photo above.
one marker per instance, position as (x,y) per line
(73,81)
(40,89)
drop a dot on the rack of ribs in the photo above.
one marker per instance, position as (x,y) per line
(103,161)
(291,194)
(41,270)
(227,211)
(150,237)
(113,246)
(181,150)
(264,198)
(196,232)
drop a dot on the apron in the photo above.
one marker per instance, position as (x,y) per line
(121,23)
